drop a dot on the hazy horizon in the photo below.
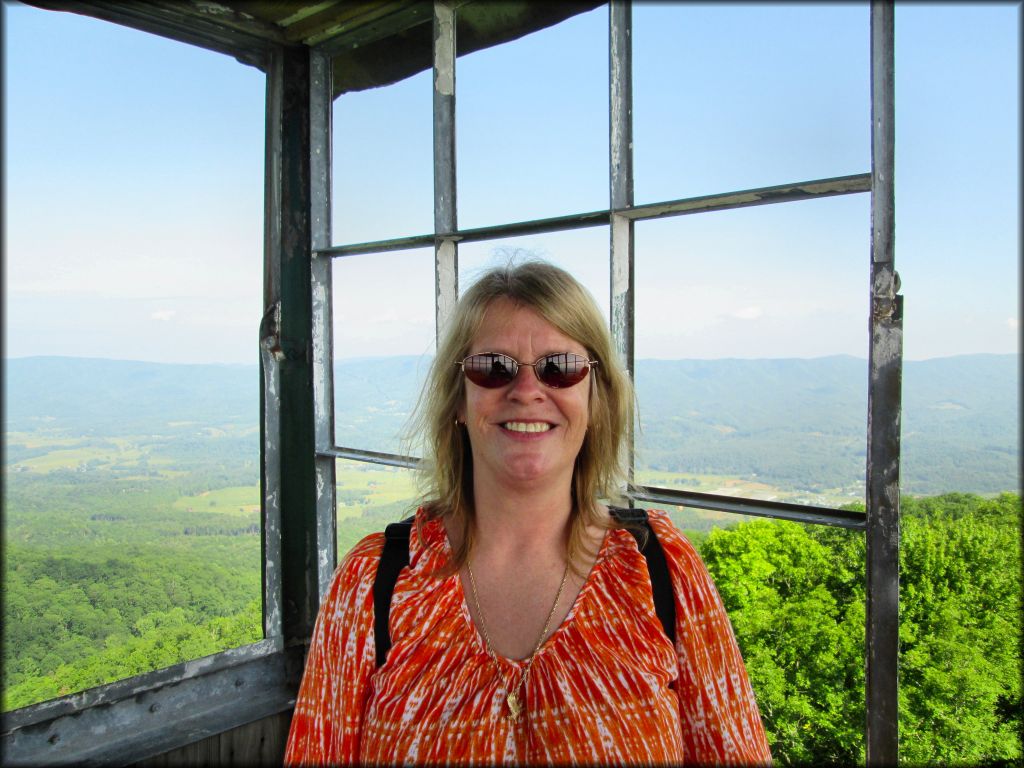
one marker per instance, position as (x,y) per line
(425,356)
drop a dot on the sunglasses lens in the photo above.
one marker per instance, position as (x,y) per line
(489,370)
(562,370)
(492,370)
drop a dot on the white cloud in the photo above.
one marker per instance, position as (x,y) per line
(163,315)
(748,313)
(1012,323)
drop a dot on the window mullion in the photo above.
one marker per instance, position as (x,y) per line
(289,498)
(884,394)
(320,108)
(620,161)
(446,250)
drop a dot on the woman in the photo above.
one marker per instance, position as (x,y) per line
(523,628)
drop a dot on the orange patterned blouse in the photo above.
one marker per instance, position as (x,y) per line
(605,688)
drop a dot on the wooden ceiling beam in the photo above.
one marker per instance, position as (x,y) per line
(215,26)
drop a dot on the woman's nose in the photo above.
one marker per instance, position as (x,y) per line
(526,385)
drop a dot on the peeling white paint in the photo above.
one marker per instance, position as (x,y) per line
(620,256)
(271,502)
(886,349)
(444,51)
(445,266)
(321,364)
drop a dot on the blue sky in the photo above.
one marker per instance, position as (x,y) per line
(134,183)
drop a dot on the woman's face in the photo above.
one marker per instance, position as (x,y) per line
(524,434)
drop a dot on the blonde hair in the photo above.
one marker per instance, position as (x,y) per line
(447,472)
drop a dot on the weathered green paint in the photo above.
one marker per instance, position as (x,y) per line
(289,170)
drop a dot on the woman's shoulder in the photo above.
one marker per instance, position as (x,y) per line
(661,525)
(363,558)
(665,528)
(679,551)
(370,546)
(356,570)
(629,535)
(366,551)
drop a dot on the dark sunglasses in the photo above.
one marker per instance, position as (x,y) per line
(493,369)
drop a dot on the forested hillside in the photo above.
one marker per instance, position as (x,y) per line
(801,423)
(107,577)
(795,595)
(132,528)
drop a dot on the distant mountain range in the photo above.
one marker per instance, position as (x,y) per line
(796,423)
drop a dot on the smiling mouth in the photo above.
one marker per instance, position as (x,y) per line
(526,426)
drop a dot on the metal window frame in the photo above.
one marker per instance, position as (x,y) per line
(884,407)
(150,714)
(880,522)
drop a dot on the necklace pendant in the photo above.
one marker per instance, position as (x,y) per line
(515,707)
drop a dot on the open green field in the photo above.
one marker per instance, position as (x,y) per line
(364,486)
(229,501)
(747,488)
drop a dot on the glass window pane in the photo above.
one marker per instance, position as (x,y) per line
(382,166)
(958,253)
(383,344)
(694,522)
(751,346)
(960,629)
(582,252)
(533,125)
(958,246)
(795,596)
(370,496)
(133,295)
(759,94)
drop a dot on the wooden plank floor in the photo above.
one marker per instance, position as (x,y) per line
(257,744)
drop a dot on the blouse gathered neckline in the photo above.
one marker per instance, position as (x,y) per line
(505,661)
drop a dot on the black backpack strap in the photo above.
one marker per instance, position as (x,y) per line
(392,560)
(650,548)
(395,557)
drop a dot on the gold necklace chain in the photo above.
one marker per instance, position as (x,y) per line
(515,705)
